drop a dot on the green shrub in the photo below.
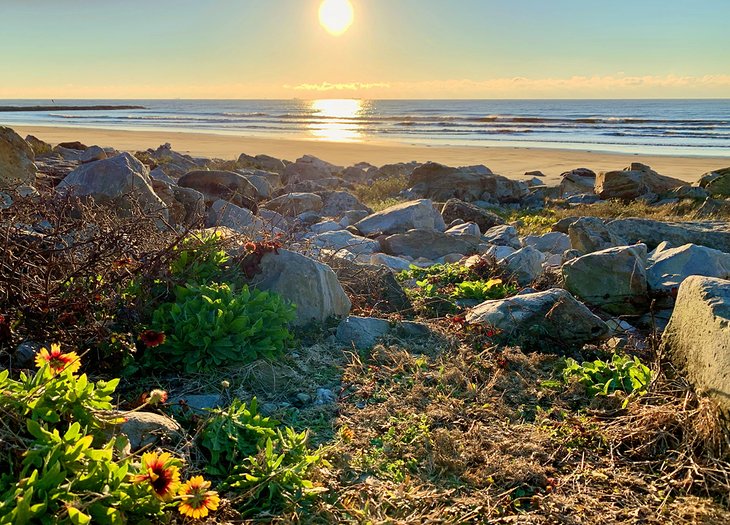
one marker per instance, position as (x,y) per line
(381,193)
(200,261)
(233,434)
(622,373)
(483,290)
(211,325)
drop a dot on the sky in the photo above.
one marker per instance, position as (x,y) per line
(242,49)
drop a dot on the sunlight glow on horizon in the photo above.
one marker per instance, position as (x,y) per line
(340,115)
(336,16)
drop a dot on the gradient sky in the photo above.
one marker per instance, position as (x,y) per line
(395,49)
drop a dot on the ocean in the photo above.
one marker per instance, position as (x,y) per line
(672,127)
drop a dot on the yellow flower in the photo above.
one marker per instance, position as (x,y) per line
(197,500)
(58,362)
(161,472)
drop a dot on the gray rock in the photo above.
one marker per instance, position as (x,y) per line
(697,338)
(325,396)
(310,168)
(338,203)
(636,181)
(293,204)
(38,146)
(469,229)
(457,209)
(397,264)
(716,182)
(352,217)
(429,244)
(25,354)
(590,234)
(161,175)
(419,214)
(613,279)
(92,154)
(325,226)
(262,184)
(312,286)
(147,428)
(119,180)
(504,235)
(16,160)
(173,163)
(498,252)
(713,234)
(524,265)
(576,182)
(199,402)
(241,220)
(553,242)
(669,267)
(344,240)
(552,316)
(226,185)
(261,162)
(362,332)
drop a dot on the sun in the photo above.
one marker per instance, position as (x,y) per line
(336,16)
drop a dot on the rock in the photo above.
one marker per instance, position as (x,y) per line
(241,220)
(439,182)
(524,265)
(590,234)
(716,182)
(38,146)
(535,173)
(16,160)
(261,162)
(713,234)
(325,396)
(457,209)
(344,240)
(310,168)
(173,163)
(25,354)
(470,229)
(697,339)
(262,184)
(159,174)
(362,332)
(91,154)
(75,145)
(184,205)
(419,214)
(356,175)
(712,209)
(293,204)
(325,226)
(312,286)
(687,192)
(147,428)
(563,224)
(503,236)
(199,402)
(401,169)
(337,203)
(118,180)
(636,181)
(352,217)
(226,185)
(397,264)
(6,201)
(669,267)
(577,181)
(498,252)
(553,242)
(582,199)
(613,279)
(274,220)
(552,316)
(429,244)
(374,286)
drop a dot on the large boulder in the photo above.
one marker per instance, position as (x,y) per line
(241,220)
(713,234)
(16,160)
(174,164)
(226,185)
(638,180)
(504,235)
(613,279)
(337,203)
(312,286)
(697,338)
(308,168)
(577,182)
(440,183)
(552,242)
(429,244)
(38,146)
(293,204)
(590,234)
(716,182)
(553,316)
(120,180)
(261,162)
(457,209)
(400,218)
(669,267)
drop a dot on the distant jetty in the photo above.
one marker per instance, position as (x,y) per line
(8,109)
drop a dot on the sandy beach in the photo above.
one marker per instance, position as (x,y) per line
(511,162)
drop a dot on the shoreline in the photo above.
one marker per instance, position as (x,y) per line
(511,162)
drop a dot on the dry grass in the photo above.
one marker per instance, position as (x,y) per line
(381,193)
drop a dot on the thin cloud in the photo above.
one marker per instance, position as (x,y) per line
(349,86)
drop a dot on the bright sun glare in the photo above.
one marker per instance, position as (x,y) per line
(336,16)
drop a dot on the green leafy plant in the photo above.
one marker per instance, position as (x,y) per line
(200,261)
(483,290)
(233,434)
(277,476)
(440,274)
(621,373)
(212,325)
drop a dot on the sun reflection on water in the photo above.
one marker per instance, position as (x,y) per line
(337,120)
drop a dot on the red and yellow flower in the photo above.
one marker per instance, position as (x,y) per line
(161,471)
(151,338)
(58,361)
(197,500)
